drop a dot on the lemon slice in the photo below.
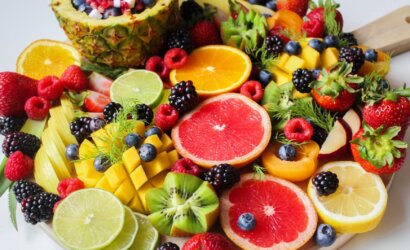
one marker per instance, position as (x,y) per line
(359,203)
(88,219)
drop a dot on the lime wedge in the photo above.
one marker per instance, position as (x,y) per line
(88,219)
(147,236)
(141,86)
(125,239)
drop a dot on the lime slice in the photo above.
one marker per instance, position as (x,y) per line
(147,236)
(88,219)
(125,239)
(141,86)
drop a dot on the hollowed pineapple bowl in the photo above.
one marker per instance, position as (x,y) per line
(121,41)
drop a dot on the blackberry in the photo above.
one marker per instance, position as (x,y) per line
(28,144)
(352,55)
(23,189)
(39,207)
(11,124)
(301,78)
(111,110)
(349,39)
(168,246)
(180,38)
(80,128)
(191,11)
(274,45)
(183,97)
(326,183)
(319,134)
(222,176)
(145,113)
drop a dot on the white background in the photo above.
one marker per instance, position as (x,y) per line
(22,22)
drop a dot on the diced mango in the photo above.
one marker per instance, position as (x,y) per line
(154,140)
(103,140)
(131,159)
(297,95)
(142,193)
(89,170)
(139,128)
(158,181)
(78,168)
(87,149)
(281,77)
(311,57)
(156,166)
(329,57)
(136,205)
(138,177)
(104,184)
(173,156)
(167,144)
(125,192)
(283,58)
(116,174)
(293,64)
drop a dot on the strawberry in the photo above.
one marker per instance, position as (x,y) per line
(278,30)
(207,241)
(95,102)
(298,6)
(74,78)
(205,33)
(318,13)
(335,89)
(100,84)
(314,28)
(15,90)
(380,150)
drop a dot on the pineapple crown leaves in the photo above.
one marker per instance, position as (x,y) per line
(259,172)
(337,79)
(105,70)
(378,146)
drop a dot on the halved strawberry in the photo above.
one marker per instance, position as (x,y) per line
(100,84)
(95,102)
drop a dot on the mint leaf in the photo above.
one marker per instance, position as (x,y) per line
(12,208)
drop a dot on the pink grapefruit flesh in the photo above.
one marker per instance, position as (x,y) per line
(285,217)
(228,128)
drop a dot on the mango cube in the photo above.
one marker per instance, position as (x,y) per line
(330,57)
(173,156)
(293,64)
(311,57)
(281,77)
(154,140)
(167,144)
(116,174)
(158,181)
(138,177)
(131,159)
(156,166)
(142,192)
(125,191)
(283,58)
(104,184)
(136,205)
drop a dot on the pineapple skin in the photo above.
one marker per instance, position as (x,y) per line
(124,41)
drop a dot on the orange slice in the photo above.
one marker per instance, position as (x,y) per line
(214,70)
(46,57)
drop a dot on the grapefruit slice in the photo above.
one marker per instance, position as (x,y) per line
(228,128)
(285,217)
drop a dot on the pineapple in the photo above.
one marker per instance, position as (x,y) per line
(122,41)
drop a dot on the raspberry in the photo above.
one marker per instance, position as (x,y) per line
(74,78)
(157,65)
(50,88)
(18,166)
(298,130)
(166,117)
(69,185)
(186,166)
(37,108)
(253,90)
(175,58)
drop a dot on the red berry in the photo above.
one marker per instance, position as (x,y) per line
(50,88)
(253,90)
(205,33)
(175,58)
(314,28)
(207,241)
(18,166)
(166,117)
(69,185)
(37,108)
(74,78)
(298,130)
(186,166)
(278,30)
(157,65)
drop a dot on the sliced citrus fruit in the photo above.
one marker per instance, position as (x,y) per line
(140,86)
(147,237)
(285,217)
(229,128)
(127,235)
(214,70)
(88,219)
(358,204)
(46,57)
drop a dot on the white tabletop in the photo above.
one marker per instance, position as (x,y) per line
(22,22)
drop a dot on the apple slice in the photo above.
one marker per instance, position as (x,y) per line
(352,118)
(337,141)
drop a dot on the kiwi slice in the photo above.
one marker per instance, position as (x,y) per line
(186,205)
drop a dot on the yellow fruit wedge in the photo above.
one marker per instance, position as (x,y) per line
(44,173)
(359,203)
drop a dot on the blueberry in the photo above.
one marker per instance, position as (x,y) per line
(325,235)
(331,41)
(317,45)
(287,152)
(96,124)
(371,55)
(316,73)
(265,77)
(85,8)
(259,2)
(149,3)
(77,3)
(147,152)
(246,222)
(101,163)
(133,140)
(112,12)
(293,48)
(153,131)
(71,152)
(271,5)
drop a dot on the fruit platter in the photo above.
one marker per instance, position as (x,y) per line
(202,124)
